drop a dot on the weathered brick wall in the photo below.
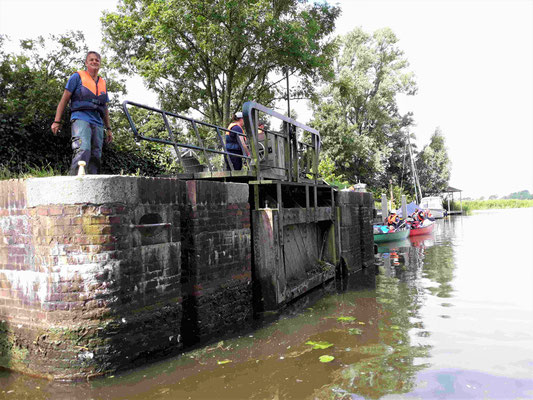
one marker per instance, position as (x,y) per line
(89,285)
(216,248)
(357,240)
(82,290)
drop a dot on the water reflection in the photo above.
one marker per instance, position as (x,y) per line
(389,364)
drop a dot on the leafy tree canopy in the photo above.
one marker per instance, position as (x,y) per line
(433,165)
(212,56)
(522,195)
(357,114)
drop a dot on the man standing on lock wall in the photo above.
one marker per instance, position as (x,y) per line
(87,93)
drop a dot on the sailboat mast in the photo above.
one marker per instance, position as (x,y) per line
(415,175)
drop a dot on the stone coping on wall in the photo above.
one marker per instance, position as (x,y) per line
(102,189)
(87,189)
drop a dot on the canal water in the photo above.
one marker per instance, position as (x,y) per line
(445,316)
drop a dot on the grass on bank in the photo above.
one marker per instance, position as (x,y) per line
(470,205)
(28,171)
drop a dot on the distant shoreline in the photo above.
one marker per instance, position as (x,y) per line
(471,205)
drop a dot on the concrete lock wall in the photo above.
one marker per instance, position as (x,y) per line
(356,235)
(100,273)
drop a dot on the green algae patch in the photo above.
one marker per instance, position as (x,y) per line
(326,359)
(319,345)
(346,319)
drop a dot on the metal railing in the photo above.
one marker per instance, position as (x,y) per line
(290,153)
(293,150)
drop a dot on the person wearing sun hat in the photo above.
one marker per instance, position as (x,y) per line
(234,143)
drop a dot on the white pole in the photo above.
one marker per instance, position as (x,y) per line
(384,208)
(415,175)
(404,206)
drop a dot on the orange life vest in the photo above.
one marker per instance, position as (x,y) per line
(392,219)
(92,96)
(232,125)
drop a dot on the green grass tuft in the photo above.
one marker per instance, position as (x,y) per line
(29,171)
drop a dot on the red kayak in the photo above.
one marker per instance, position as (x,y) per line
(422,231)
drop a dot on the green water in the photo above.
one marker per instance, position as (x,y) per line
(444,316)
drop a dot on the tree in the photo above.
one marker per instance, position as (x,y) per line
(212,56)
(433,165)
(357,114)
(522,195)
(326,170)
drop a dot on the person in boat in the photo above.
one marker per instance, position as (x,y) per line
(418,218)
(234,144)
(393,220)
(87,93)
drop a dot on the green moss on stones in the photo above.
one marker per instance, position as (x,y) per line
(11,353)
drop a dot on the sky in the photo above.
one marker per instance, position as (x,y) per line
(473,62)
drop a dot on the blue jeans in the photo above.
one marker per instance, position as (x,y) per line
(87,141)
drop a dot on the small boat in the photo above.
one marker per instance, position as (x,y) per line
(434,205)
(423,230)
(390,236)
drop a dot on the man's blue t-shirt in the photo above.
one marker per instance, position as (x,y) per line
(90,116)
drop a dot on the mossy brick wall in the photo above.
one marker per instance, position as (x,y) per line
(85,290)
(357,240)
(82,290)
(216,248)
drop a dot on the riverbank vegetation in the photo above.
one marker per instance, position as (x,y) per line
(522,195)
(208,58)
(471,205)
